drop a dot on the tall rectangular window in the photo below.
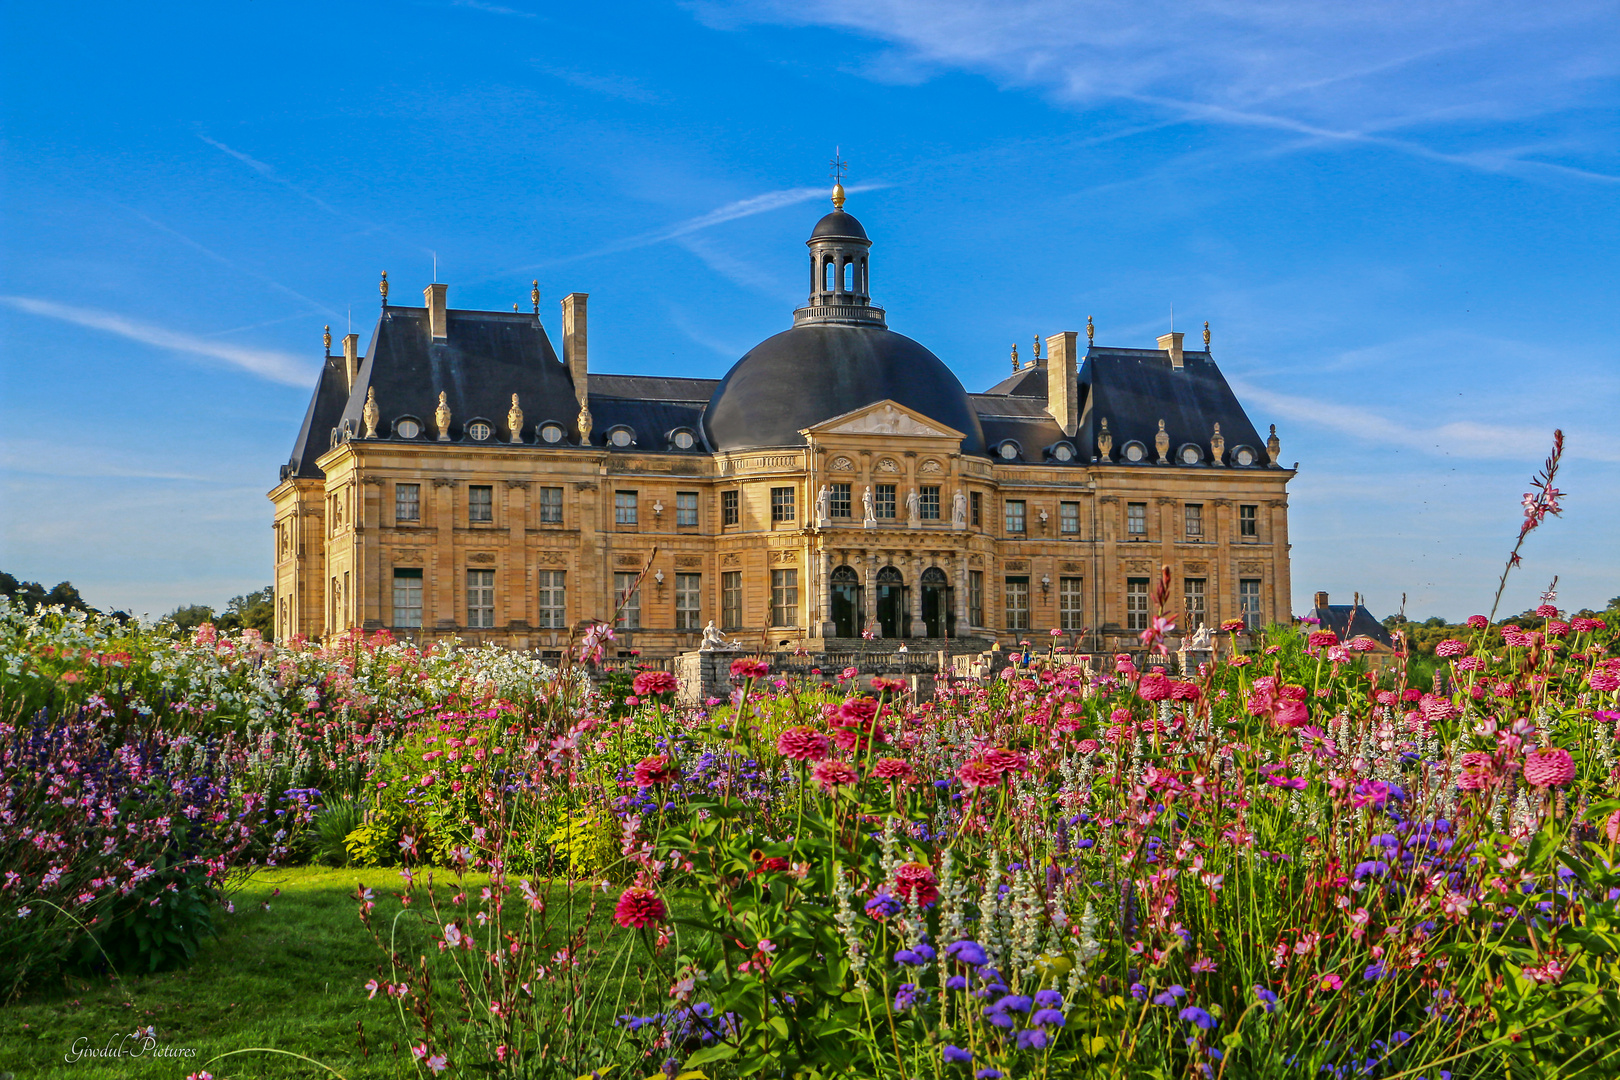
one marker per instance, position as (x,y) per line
(481,599)
(630,611)
(624,508)
(1136,521)
(730,513)
(781,504)
(407,597)
(1194,513)
(1248,522)
(731,600)
(976,597)
(688,601)
(976,505)
(928,498)
(480,503)
(1017,603)
(784,597)
(1015,515)
(1069,518)
(551,505)
(885,502)
(407,502)
(1194,604)
(686,508)
(1136,603)
(1071,593)
(1249,602)
(553,600)
(838,501)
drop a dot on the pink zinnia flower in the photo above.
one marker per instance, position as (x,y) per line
(1004,761)
(1478,622)
(919,878)
(831,774)
(1548,768)
(1088,746)
(1362,644)
(1547,611)
(648,683)
(1603,682)
(1450,647)
(1155,686)
(977,774)
(655,770)
(889,768)
(638,907)
(749,669)
(1322,639)
(802,744)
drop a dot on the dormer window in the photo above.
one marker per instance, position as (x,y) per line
(1134,451)
(1061,452)
(551,433)
(1007,451)
(407,428)
(1190,454)
(479,431)
(682,439)
(1244,455)
(621,436)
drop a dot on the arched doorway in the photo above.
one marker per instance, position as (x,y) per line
(938,617)
(846,602)
(891,603)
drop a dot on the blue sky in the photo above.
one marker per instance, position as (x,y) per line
(1400,220)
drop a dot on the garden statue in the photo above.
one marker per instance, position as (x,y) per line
(1202,639)
(714,640)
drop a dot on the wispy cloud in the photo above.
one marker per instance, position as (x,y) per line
(613,86)
(493,9)
(268,364)
(1258,64)
(732,211)
(271,175)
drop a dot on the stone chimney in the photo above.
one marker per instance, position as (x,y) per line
(1171,343)
(433,299)
(574,355)
(1321,600)
(1062,389)
(351,358)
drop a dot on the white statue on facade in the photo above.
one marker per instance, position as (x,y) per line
(1202,638)
(913,509)
(959,510)
(823,507)
(870,519)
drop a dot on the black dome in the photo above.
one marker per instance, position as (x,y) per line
(818,371)
(838,226)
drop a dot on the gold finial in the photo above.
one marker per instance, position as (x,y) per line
(514,421)
(1105,442)
(1091,332)
(534,294)
(1037,348)
(370,414)
(839,167)
(1206,335)
(327,337)
(514,309)
(1015,356)
(383,288)
(441,417)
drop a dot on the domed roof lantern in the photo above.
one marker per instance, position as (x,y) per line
(840,258)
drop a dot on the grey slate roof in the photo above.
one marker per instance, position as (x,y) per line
(1351,620)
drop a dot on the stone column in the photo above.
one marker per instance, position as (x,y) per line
(961,592)
(917,627)
(828,562)
(869,593)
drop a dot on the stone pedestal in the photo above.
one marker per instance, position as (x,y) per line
(704,675)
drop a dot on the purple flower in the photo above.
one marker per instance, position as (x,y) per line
(908,956)
(906,997)
(956,1053)
(1267,999)
(967,952)
(987,1074)
(1046,1018)
(956,982)
(883,905)
(1194,1015)
(1049,999)
(1013,1003)
(1033,1039)
(1170,996)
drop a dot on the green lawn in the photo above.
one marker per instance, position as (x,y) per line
(291,977)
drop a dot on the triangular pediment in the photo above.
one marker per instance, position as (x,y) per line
(884,418)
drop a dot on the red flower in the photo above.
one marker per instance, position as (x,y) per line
(1322,639)
(919,878)
(638,907)
(749,669)
(831,774)
(653,682)
(802,744)
(1548,768)
(1450,647)
(1184,691)
(1232,626)
(1478,622)
(1088,746)
(654,770)
(977,774)
(889,768)
(1155,686)
(881,683)
(1004,761)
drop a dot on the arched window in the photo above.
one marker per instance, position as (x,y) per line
(849,275)
(829,278)
(863,288)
